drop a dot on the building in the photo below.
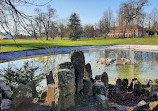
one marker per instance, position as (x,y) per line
(131,31)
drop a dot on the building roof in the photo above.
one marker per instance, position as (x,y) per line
(128,27)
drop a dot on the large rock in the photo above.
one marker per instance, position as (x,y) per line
(22,96)
(99,88)
(6,89)
(2,84)
(130,88)
(32,84)
(88,87)
(97,77)
(50,78)
(137,88)
(118,86)
(78,61)
(105,80)
(5,104)
(154,92)
(125,84)
(89,70)
(103,100)
(64,88)
(66,65)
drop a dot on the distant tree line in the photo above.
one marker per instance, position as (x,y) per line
(47,24)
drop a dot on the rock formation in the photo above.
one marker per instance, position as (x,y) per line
(78,61)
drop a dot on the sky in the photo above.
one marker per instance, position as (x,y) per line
(90,11)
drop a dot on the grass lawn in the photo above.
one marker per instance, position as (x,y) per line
(27,44)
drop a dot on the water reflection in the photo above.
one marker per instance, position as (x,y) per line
(145,67)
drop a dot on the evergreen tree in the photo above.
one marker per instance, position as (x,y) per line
(74,27)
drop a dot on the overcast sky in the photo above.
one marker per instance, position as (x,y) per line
(90,11)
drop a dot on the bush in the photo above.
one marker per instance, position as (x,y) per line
(22,75)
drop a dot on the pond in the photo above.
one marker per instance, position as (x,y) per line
(145,65)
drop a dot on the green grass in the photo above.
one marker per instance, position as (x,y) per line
(27,44)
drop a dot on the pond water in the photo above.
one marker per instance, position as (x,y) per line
(145,65)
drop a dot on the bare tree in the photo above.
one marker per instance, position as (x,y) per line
(46,19)
(155,19)
(33,28)
(39,22)
(106,21)
(62,27)
(129,11)
(12,18)
(53,30)
(89,31)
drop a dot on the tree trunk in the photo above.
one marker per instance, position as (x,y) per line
(47,35)
(61,37)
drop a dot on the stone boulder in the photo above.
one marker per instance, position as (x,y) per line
(99,88)
(130,87)
(118,86)
(125,84)
(88,87)
(154,91)
(78,61)
(97,77)
(137,88)
(50,78)
(22,96)
(64,88)
(66,65)
(32,84)
(103,100)
(89,70)
(5,104)
(7,93)
(105,80)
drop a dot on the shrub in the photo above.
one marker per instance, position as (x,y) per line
(22,75)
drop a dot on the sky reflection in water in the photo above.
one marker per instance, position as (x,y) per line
(145,68)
